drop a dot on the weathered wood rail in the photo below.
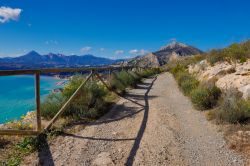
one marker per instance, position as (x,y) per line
(37,72)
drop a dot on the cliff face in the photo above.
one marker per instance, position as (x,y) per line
(161,57)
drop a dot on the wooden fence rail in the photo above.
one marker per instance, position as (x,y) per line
(37,73)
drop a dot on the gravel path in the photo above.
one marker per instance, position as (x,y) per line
(166,130)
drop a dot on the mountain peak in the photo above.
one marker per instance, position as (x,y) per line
(173,45)
(32,53)
(88,55)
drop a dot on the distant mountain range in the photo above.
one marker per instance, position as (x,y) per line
(162,56)
(33,60)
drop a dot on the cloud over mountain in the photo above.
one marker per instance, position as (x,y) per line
(7,14)
(118,52)
(86,49)
(138,52)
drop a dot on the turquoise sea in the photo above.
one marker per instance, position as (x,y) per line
(17,94)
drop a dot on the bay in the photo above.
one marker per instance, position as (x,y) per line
(17,94)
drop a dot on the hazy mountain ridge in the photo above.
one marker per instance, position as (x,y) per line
(36,60)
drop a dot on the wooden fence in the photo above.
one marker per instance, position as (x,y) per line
(94,72)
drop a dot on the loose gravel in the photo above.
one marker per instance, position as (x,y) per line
(166,130)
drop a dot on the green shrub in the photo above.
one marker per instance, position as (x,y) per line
(188,85)
(215,56)
(186,82)
(29,144)
(51,105)
(233,109)
(205,97)
(86,100)
(237,52)
(126,78)
(135,76)
(116,84)
(121,80)
(91,99)
(149,72)
(176,69)
(72,86)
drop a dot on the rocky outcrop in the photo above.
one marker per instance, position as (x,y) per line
(206,72)
(149,60)
(171,51)
(226,75)
(175,50)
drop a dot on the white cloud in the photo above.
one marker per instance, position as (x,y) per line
(134,51)
(85,49)
(7,14)
(138,52)
(102,49)
(118,52)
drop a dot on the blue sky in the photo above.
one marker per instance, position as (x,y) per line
(119,28)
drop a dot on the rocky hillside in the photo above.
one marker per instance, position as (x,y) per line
(226,75)
(166,53)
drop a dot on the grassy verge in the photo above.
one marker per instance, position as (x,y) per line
(93,101)
(203,96)
(227,107)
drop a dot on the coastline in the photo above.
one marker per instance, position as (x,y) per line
(49,87)
(27,121)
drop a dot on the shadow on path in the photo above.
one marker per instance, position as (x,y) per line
(125,112)
(44,153)
(137,142)
(101,139)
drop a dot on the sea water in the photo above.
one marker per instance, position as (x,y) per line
(17,95)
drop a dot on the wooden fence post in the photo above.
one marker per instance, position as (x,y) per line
(109,77)
(38,106)
(91,78)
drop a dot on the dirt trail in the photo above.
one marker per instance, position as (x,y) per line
(166,130)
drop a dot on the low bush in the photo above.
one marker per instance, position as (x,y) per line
(149,72)
(136,76)
(215,56)
(186,82)
(176,69)
(233,109)
(126,78)
(236,52)
(121,80)
(205,97)
(188,85)
(51,105)
(116,84)
(92,100)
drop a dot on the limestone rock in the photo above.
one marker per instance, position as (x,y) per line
(226,75)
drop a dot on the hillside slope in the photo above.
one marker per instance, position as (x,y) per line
(162,56)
